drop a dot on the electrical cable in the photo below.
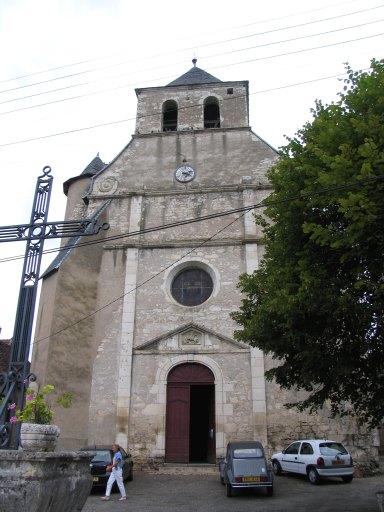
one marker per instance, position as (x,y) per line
(178,51)
(163,226)
(262,204)
(110,123)
(158,79)
(100,68)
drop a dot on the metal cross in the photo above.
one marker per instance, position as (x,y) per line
(14,382)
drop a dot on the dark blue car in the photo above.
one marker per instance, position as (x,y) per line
(103,457)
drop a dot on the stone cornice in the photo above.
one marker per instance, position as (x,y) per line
(191,132)
(188,191)
(167,352)
(171,244)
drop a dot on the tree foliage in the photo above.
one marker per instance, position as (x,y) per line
(317,302)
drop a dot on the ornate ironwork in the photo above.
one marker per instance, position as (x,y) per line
(22,232)
(14,382)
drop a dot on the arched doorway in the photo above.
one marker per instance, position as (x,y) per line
(190,420)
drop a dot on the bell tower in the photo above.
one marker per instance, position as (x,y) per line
(194,101)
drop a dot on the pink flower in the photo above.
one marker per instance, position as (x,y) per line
(13,419)
(30,397)
(11,407)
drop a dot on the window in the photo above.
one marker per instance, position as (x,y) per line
(102,456)
(247,453)
(192,287)
(211,113)
(293,449)
(306,449)
(332,449)
(170,116)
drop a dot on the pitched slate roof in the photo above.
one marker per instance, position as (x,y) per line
(72,242)
(194,76)
(92,168)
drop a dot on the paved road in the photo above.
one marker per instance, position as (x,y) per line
(162,493)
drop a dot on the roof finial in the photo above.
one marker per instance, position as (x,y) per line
(194,60)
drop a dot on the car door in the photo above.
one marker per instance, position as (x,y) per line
(305,457)
(289,461)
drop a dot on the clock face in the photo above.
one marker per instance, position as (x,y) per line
(184,173)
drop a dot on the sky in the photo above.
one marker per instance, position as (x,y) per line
(69,69)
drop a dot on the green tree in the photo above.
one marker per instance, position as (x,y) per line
(316,304)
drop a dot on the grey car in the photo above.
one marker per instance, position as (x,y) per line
(245,467)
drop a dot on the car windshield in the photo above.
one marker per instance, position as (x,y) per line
(247,453)
(102,456)
(332,449)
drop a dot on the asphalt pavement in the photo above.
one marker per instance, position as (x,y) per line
(164,493)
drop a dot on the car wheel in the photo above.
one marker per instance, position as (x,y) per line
(347,479)
(229,490)
(276,467)
(313,476)
(270,491)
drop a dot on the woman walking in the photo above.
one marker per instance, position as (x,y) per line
(116,469)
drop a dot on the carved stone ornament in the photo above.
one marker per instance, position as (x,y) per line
(191,338)
(108,185)
(41,438)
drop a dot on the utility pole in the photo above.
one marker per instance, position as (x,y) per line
(14,382)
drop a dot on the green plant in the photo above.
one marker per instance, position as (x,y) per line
(37,409)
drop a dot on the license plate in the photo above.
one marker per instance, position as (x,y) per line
(251,479)
(335,462)
(95,479)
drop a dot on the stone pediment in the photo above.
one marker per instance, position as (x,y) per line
(191,338)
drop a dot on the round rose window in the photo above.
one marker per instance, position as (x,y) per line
(192,287)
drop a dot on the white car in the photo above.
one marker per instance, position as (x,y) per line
(315,458)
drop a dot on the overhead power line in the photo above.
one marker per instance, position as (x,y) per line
(100,68)
(170,225)
(158,79)
(262,204)
(111,123)
(175,52)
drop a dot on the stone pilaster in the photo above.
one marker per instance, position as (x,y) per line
(259,408)
(127,330)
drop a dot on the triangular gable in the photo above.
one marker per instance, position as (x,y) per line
(190,327)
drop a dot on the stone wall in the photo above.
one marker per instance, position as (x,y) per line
(286,425)
(44,482)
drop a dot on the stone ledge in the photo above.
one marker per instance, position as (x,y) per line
(21,455)
(44,481)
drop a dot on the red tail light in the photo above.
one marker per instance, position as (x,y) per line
(320,461)
(238,478)
(263,479)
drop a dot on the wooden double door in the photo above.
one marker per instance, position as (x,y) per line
(190,419)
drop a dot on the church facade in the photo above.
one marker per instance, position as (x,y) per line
(137,326)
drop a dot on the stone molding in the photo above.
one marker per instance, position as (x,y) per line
(185,243)
(184,192)
(189,327)
(160,390)
(193,131)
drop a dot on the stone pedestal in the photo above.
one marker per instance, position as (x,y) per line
(44,481)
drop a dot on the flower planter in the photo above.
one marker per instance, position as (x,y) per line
(40,438)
